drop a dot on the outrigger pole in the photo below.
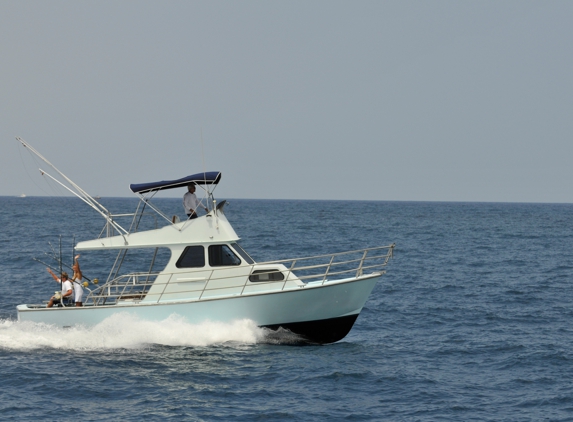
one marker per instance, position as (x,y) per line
(76,190)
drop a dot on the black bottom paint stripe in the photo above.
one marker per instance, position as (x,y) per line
(322,331)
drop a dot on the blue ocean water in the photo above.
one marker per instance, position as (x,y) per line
(471,322)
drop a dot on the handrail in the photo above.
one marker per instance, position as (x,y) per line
(163,291)
(390,247)
(327,269)
(138,286)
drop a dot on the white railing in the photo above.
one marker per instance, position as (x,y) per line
(294,273)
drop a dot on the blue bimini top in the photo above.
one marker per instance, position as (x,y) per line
(207,178)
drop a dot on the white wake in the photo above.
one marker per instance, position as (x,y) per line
(122,331)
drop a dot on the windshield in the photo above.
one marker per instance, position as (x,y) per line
(243,254)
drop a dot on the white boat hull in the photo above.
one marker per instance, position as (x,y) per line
(208,275)
(323,313)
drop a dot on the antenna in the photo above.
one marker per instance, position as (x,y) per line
(205,170)
(203,158)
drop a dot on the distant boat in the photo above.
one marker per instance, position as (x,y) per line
(97,197)
(22,196)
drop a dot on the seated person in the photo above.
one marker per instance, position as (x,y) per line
(66,288)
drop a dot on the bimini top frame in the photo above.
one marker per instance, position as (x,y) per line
(146,191)
(206,178)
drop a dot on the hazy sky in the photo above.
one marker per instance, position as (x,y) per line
(379,100)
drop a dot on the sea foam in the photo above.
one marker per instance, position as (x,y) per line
(123,331)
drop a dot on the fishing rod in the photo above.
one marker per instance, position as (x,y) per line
(60,256)
(55,258)
(54,255)
(59,260)
(84,285)
(94,281)
(74,248)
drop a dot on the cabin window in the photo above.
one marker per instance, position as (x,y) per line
(222,256)
(243,254)
(192,257)
(266,275)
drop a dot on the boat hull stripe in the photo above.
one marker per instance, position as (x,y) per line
(322,331)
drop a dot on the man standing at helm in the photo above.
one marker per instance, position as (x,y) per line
(190,202)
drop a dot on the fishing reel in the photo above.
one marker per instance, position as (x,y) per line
(94,281)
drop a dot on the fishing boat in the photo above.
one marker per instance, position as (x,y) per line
(209,276)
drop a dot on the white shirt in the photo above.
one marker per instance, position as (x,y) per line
(190,202)
(66,285)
